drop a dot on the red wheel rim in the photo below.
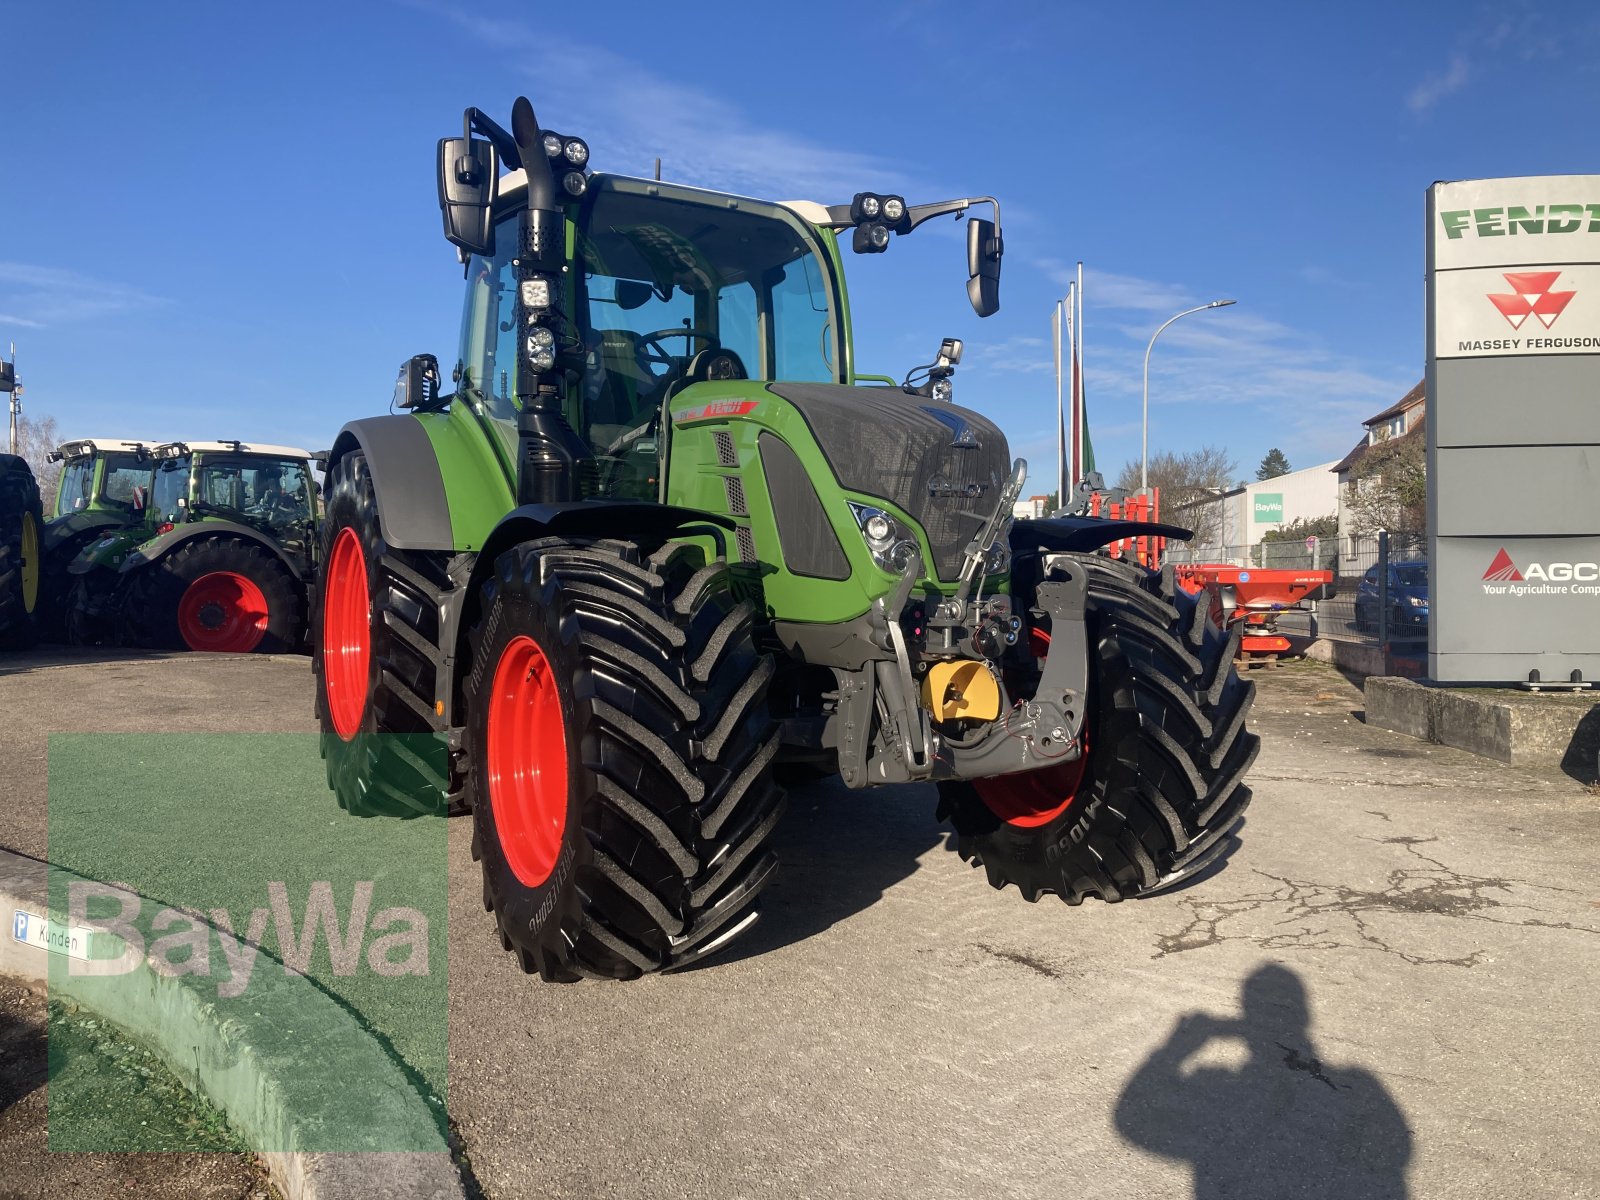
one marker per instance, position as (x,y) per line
(346,633)
(1034,798)
(223,613)
(526,761)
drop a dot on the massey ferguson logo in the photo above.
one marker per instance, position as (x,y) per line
(1502,569)
(1531,296)
(1504,578)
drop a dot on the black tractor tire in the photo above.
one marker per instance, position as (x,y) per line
(382,739)
(185,600)
(666,803)
(92,607)
(21,539)
(1167,752)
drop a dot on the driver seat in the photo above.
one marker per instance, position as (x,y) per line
(623,399)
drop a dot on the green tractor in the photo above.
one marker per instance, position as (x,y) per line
(103,487)
(221,562)
(21,524)
(660,538)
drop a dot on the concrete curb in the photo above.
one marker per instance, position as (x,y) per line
(1531,730)
(268,1069)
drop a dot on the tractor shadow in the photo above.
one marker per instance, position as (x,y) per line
(17,662)
(838,852)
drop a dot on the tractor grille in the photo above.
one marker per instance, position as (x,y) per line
(945,466)
(747,544)
(734,486)
(726,455)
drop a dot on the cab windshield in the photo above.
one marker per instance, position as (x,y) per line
(667,289)
(273,491)
(125,481)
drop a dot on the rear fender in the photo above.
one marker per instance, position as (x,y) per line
(158,548)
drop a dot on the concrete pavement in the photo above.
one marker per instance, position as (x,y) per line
(1389,989)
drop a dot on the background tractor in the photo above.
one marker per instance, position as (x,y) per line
(660,537)
(21,529)
(103,487)
(221,562)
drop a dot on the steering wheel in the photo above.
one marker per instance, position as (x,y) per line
(650,343)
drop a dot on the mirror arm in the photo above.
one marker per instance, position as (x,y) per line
(839,214)
(504,143)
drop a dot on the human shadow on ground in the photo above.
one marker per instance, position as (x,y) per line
(838,852)
(1285,1123)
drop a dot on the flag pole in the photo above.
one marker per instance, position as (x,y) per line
(1077,381)
(1061,421)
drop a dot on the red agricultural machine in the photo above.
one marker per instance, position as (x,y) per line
(1254,597)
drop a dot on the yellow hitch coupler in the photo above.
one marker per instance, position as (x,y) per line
(963,690)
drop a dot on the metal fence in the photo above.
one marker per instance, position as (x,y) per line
(1349,559)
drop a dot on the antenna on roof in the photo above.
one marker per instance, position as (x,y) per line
(658,168)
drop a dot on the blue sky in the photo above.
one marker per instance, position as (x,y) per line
(220,221)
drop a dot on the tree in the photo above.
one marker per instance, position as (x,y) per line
(36,437)
(1186,481)
(1286,545)
(1389,490)
(1273,465)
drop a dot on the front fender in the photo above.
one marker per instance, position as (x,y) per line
(158,548)
(1082,534)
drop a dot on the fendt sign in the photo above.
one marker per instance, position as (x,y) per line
(1514,429)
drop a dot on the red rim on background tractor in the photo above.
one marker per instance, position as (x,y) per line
(527,761)
(346,633)
(1033,798)
(223,613)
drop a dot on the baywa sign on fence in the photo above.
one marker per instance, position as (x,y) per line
(1515,263)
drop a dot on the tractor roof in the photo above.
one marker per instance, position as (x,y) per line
(810,211)
(174,449)
(78,447)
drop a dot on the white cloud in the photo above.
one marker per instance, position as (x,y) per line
(36,297)
(630,114)
(1439,84)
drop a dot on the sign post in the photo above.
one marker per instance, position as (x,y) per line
(1513,328)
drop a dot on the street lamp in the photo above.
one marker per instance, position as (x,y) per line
(1144,450)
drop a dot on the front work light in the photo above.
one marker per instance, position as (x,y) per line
(535,294)
(870,239)
(576,151)
(541,349)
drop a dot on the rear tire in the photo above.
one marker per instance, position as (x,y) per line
(644,846)
(375,652)
(1161,784)
(21,536)
(214,594)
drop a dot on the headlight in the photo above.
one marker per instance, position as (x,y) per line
(870,206)
(575,183)
(541,349)
(894,209)
(552,145)
(535,294)
(576,151)
(943,389)
(1416,601)
(891,546)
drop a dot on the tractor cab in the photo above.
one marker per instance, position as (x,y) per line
(103,475)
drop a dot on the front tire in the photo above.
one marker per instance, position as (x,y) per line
(1151,801)
(620,752)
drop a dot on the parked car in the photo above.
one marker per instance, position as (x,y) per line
(1408,599)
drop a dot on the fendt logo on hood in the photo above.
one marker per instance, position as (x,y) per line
(1504,578)
(1531,296)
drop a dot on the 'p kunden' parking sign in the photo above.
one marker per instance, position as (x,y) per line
(1514,429)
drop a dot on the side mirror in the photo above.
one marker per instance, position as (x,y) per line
(418,385)
(984,249)
(468,173)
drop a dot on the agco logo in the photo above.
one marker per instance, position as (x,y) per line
(1504,577)
(1530,296)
